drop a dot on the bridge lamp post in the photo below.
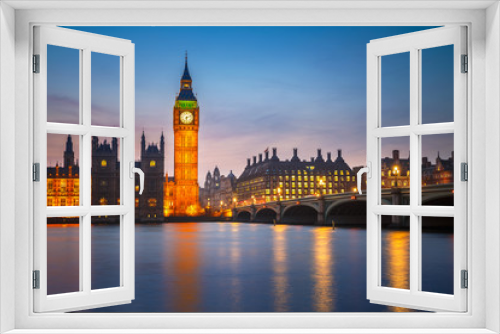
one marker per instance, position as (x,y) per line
(321,186)
(279,194)
(395,171)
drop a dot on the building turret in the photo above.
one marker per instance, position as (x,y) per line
(329,157)
(295,157)
(186,92)
(395,155)
(260,157)
(69,155)
(208,180)
(162,143)
(114,144)
(143,143)
(275,155)
(319,157)
(267,154)
(339,156)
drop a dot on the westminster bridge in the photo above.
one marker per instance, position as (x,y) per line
(344,209)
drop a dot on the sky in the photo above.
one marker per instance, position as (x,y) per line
(257,88)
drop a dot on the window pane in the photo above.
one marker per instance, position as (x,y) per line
(63,84)
(437,170)
(395,170)
(395,251)
(105,252)
(395,95)
(63,170)
(63,255)
(105,171)
(105,89)
(437,254)
(437,84)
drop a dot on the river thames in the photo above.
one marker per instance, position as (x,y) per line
(246,267)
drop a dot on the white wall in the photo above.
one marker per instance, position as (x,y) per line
(492,164)
(7,167)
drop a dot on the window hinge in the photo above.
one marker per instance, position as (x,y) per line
(465,279)
(36,279)
(465,64)
(464,171)
(36,63)
(36,172)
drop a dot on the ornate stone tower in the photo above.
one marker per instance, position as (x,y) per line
(186,125)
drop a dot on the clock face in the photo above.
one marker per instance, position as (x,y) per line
(186,117)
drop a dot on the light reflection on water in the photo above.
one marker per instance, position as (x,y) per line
(244,267)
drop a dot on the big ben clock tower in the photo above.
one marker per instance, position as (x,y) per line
(186,125)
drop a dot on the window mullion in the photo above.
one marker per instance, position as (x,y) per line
(415,188)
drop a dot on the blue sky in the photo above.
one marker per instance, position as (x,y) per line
(257,87)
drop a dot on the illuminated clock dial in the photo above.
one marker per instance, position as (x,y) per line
(186,117)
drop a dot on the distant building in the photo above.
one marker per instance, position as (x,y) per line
(149,205)
(105,172)
(272,179)
(395,171)
(63,182)
(182,191)
(439,173)
(218,192)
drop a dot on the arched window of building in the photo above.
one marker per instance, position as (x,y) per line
(152,163)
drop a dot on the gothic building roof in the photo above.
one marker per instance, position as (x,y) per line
(186,95)
(186,76)
(275,166)
(63,171)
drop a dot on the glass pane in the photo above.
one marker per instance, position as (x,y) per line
(105,89)
(63,84)
(395,251)
(63,255)
(437,170)
(437,84)
(105,252)
(395,170)
(105,171)
(63,170)
(395,94)
(437,254)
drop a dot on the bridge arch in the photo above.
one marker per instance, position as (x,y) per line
(266,215)
(300,214)
(288,207)
(346,212)
(446,199)
(244,216)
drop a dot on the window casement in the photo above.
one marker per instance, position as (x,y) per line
(83,295)
(415,45)
(474,320)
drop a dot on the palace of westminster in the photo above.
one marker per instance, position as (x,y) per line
(265,179)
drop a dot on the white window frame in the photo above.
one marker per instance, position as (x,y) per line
(482,19)
(414,44)
(85,44)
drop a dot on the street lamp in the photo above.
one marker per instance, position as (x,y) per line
(279,194)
